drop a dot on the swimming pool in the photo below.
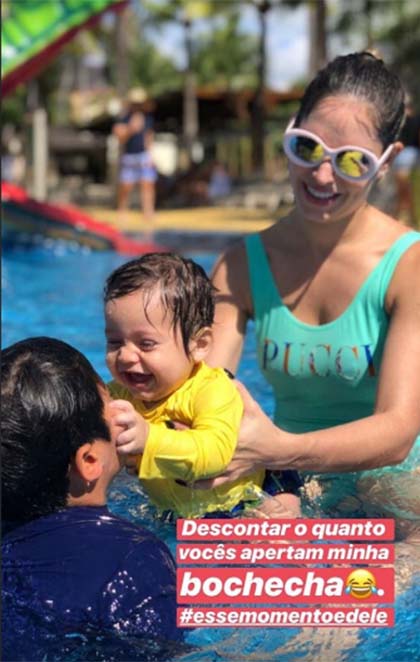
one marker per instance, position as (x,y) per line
(55,289)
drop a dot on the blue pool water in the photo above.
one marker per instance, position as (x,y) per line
(56,290)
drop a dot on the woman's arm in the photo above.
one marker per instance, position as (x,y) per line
(384,438)
(124,130)
(233,308)
(149,136)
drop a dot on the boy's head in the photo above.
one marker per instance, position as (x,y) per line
(158,311)
(53,425)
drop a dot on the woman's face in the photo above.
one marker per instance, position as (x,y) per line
(321,195)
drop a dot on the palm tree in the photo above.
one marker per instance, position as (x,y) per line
(257,108)
(226,57)
(317,36)
(121,60)
(190,114)
(317,58)
(392,27)
(185,13)
(318,11)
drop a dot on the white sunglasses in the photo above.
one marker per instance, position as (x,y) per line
(355,164)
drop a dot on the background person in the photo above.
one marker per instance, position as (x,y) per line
(135,135)
(331,290)
(220,183)
(404,164)
(66,558)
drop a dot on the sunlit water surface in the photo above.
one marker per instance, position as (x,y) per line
(55,289)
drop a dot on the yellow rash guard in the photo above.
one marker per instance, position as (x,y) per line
(209,404)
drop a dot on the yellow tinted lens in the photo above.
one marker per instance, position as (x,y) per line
(353,163)
(307,149)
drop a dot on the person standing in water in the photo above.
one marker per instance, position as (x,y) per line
(333,289)
(68,563)
(404,165)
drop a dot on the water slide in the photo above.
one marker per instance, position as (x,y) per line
(26,219)
(32,34)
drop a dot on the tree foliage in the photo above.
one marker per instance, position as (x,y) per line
(153,70)
(403,41)
(392,28)
(226,57)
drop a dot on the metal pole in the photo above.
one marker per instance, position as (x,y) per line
(40,153)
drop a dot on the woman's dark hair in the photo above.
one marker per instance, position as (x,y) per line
(51,405)
(185,290)
(366,77)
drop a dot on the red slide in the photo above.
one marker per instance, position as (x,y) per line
(25,215)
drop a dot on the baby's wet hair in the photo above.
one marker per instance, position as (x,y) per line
(185,290)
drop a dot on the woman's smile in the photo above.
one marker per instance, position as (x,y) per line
(321,197)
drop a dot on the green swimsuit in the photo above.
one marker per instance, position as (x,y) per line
(323,375)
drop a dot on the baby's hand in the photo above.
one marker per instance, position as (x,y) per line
(133,438)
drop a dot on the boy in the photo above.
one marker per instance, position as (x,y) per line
(68,563)
(159,310)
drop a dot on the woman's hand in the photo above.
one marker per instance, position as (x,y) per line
(252,451)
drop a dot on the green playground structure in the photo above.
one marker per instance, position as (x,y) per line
(34,31)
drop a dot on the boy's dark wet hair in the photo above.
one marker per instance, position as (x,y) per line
(365,76)
(185,290)
(51,405)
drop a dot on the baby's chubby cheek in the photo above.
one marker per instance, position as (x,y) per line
(110,362)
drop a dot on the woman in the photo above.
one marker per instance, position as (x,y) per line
(135,135)
(332,289)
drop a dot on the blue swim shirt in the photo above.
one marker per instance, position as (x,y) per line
(84,568)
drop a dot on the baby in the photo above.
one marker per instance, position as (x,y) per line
(159,310)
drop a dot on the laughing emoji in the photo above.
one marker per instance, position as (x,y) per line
(361,584)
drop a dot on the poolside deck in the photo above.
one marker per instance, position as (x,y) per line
(188,229)
(228,220)
(224,220)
